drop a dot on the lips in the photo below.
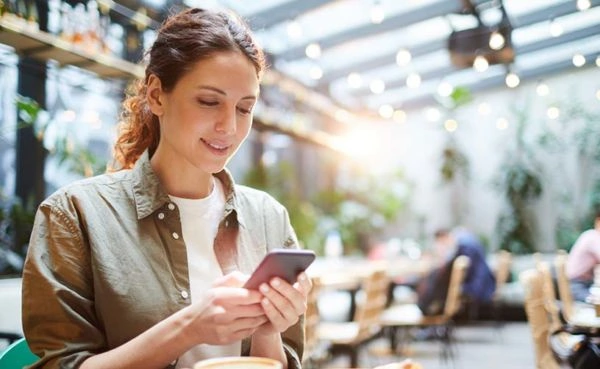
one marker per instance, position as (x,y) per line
(216,147)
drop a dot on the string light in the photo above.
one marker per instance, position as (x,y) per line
(553,112)
(377,13)
(542,89)
(512,80)
(450,125)
(399,116)
(598,94)
(386,111)
(583,4)
(433,114)
(598,61)
(578,60)
(315,73)
(403,57)
(354,80)
(501,123)
(377,86)
(497,41)
(480,63)
(313,50)
(413,80)
(555,28)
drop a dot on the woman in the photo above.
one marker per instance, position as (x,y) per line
(140,268)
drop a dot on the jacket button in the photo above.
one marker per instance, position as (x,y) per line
(161,216)
(171,206)
(175,235)
(184,294)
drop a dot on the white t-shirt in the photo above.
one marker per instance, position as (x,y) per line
(199,223)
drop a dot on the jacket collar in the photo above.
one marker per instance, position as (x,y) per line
(149,194)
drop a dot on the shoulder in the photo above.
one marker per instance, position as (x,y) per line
(107,186)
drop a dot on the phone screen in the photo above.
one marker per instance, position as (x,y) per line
(283,263)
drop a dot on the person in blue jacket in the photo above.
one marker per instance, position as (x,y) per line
(479,284)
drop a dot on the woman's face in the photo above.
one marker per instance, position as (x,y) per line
(208,114)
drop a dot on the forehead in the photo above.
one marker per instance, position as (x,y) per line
(225,70)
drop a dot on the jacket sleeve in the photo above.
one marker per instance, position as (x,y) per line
(281,233)
(59,320)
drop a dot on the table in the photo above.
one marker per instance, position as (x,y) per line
(347,273)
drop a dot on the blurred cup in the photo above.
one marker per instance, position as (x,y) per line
(238,362)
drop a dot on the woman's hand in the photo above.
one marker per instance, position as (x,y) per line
(226,312)
(283,304)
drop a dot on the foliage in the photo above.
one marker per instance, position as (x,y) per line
(78,159)
(364,209)
(582,133)
(519,181)
(356,213)
(16,223)
(454,162)
(280,181)
(16,215)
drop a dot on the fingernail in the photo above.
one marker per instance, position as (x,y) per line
(302,276)
(275,282)
(264,288)
(265,302)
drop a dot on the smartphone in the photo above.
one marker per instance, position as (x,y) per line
(283,263)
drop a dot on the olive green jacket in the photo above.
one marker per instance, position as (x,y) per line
(106,262)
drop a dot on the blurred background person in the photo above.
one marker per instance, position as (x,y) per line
(583,257)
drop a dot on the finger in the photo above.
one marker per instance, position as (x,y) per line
(233,279)
(276,318)
(294,297)
(235,296)
(304,284)
(232,313)
(278,308)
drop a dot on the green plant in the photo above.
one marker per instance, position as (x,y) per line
(77,158)
(17,215)
(579,197)
(363,209)
(520,183)
(281,182)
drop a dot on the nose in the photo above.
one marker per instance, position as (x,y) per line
(226,122)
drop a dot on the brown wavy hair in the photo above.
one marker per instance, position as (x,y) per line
(182,40)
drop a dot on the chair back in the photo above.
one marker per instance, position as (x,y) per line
(312,319)
(537,316)
(549,295)
(564,287)
(460,265)
(373,302)
(17,355)
(502,272)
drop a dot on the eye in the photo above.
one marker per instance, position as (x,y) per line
(208,102)
(245,111)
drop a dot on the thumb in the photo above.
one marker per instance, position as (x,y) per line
(233,279)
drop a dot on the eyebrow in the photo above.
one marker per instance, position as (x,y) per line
(221,92)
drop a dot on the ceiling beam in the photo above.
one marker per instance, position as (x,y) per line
(519,51)
(282,12)
(498,80)
(380,61)
(392,23)
(524,20)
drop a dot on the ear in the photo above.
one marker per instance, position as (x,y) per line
(154,95)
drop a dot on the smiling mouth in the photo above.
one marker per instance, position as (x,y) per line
(216,146)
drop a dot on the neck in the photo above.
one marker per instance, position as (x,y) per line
(180,178)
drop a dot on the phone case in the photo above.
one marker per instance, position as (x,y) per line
(282,263)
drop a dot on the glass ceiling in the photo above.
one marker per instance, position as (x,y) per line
(368,53)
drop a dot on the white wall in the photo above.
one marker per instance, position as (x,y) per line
(418,142)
